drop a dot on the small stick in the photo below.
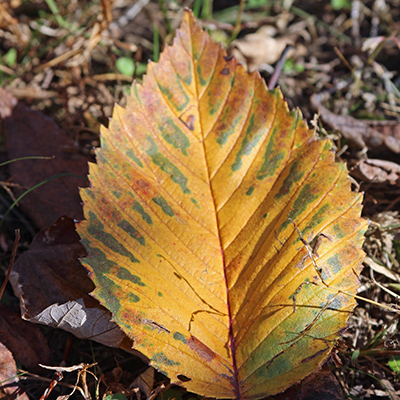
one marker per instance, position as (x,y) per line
(13,254)
(56,378)
(278,67)
(238,23)
(311,251)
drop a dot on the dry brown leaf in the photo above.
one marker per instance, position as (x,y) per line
(9,389)
(380,269)
(31,133)
(54,288)
(26,341)
(145,382)
(321,385)
(378,171)
(259,48)
(356,131)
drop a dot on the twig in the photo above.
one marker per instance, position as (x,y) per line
(278,67)
(238,23)
(13,254)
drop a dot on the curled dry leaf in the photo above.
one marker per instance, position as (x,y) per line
(145,382)
(221,234)
(380,269)
(378,171)
(259,48)
(359,132)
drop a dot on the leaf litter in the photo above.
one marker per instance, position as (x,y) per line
(367,375)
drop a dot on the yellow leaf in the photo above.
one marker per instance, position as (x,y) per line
(206,193)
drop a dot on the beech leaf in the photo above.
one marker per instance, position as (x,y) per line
(221,233)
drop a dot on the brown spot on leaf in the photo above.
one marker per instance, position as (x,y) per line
(183,378)
(225,71)
(317,354)
(189,122)
(154,325)
(201,349)
(143,186)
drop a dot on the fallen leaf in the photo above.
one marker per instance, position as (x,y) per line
(29,348)
(377,171)
(321,385)
(370,44)
(9,387)
(31,133)
(221,233)
(53,287)
(260,48)
(145,382)
(380,269)
(361,133)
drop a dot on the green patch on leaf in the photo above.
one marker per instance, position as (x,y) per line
(123,273)
(180,337)
(250,191)
(133,233)
(195,202)
(316,219)
(96,229)
(335,263)
(203,82)
(250,140)
(160,201)
(133,156)
(171,98)
(174,135)
(139,208)
(133,298)
(161,358)
(167,166)
(116,193)
(224,135)
(272,157)
(295,174)
(303,200)
(338,231)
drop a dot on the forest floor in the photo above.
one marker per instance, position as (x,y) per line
(63,66)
